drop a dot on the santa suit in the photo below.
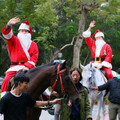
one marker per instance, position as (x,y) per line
(20,56)
(103,52)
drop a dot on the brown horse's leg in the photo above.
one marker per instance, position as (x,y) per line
(33,113)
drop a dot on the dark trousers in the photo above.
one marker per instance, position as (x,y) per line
(114,110)
(75,117)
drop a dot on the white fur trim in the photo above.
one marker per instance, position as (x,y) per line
(46,92)
(2,94)
(9,35)
(87,33)
(31,62)
(96,64)
(15,68)
(106,64)
(24,27)
(114,73)
(99,34)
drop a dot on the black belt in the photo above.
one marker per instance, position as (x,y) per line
(17,63)
(98,59)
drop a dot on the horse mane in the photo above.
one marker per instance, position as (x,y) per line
(43,66)
(32,70)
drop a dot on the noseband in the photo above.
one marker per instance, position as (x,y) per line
(60,77)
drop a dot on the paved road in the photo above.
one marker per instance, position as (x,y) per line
(46,116)
(94,112)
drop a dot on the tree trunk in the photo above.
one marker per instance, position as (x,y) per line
(78,43)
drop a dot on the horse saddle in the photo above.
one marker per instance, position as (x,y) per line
(105,78)
(104,75)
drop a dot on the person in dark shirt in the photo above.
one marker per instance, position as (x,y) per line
(113,86)
(15,102)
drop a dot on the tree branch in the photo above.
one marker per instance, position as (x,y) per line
(56,53)
(84,63)
(2,37)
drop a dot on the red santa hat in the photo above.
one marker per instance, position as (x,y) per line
(98,33)
(26,26)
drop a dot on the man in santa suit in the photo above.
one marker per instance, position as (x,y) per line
(101,52)
(22,50)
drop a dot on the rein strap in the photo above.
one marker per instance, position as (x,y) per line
(59,76)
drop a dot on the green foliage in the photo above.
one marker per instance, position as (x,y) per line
(46,16)
(55,22)
(42,40)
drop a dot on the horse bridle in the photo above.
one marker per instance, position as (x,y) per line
(61,81)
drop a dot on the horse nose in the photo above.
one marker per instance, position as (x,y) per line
(77,101)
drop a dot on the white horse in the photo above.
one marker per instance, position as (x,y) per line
(93,77)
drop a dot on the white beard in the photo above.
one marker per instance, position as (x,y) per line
(25,40)
(99,44)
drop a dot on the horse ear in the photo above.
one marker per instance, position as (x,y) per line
(66,62)
(82,67)
(90,65)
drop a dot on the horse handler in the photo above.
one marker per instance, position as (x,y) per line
(13,104)
(22,50)
(113,86)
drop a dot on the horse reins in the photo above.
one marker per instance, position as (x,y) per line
(59,76)
(53,86)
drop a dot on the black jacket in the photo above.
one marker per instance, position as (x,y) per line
(113,86)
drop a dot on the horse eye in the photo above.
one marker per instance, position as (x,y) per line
(67,78)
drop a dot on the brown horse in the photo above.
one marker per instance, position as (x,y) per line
(52,74)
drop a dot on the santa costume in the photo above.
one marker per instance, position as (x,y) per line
(101,52)
(23,52)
